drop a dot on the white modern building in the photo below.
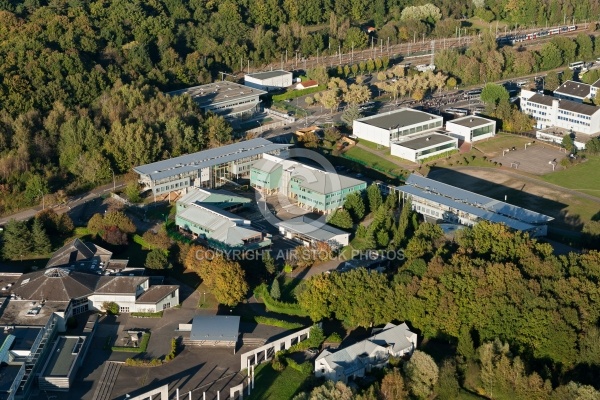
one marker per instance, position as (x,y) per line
(269,80)
(555,117)
(411,134)
(208,168)
(390,126)
(354,361)
(228,99)
(438,201)
(419,147)
(471,128)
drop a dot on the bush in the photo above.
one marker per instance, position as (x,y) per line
(334,338)
(262,292)
(111,307)
(277,322)
(298,93)
(173,352)
(277,364)
(134,362)
(306,367)
(158,314)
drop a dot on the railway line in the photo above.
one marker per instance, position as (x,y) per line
(416,49)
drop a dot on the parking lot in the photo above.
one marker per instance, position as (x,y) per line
(536,159)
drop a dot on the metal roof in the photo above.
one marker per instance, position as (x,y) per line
(424,141)
(401,117)
(268,74)
(208,158)
(218,92)
(218,328)
(315,229)
(472,203)
(470,121)
(218,198)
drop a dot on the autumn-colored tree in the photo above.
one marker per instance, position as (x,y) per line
(392,386)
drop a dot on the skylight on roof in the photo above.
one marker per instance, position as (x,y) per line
(25,281)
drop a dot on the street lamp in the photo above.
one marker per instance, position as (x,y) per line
(114,182)
(43,200)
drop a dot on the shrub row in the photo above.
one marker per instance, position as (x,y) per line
(439,156)
(173,352)
(158,314)
(306,367)
(277,322)
(298,93)
(261,292)
(134,362)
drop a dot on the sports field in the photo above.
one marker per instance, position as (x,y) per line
(584,177)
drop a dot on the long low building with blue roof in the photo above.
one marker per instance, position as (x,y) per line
(439,201)
(208,168)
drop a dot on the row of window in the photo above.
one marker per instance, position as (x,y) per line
(572,114)
(231,105)
(438,148)
(168,188)
(415,129)
(573,121)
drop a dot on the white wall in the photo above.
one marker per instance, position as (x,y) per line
(343,239)
(464,133)
(371,133)
(96,300)
(280,81)
(403,152)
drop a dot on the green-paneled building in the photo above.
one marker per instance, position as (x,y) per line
(311,188)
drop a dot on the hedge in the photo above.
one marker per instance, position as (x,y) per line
(277,322)
(141,349)
(133,362)
(298,93)
(306,367)
(158,314)
(261,292)
(439,156)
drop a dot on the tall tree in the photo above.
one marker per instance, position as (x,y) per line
(374,196)
(422,374)
(40,240)
(17,240)
(355,204)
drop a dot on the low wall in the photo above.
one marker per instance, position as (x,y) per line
(266,352)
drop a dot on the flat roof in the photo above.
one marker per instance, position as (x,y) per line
(399,118)
(269,74)
(218,92)
(471,121)
(563,104)
(8,374)
(427,140)
(17,312)
(216,328)
(316,229)
(574,89)
(63,356)
(207,158)
(218,198)
(461,197)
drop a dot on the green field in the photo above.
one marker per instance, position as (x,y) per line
(493,146)
(583,177)
(373,161)
(273,385)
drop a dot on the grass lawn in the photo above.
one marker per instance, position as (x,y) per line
(373,161)
(582,177)
(273,385)
(373,146)
(206,298)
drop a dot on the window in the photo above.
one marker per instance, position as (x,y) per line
(124,309)
(172,294)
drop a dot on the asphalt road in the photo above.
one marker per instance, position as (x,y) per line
(72,203)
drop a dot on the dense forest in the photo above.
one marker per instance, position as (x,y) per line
(488,284)
(81,82)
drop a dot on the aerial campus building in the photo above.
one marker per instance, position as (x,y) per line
(471,128)
(208,216)
(208,168)
(311,188)
(228,99)
(557,117)
(411,134)
(79,277)
(269,80)
(441,202)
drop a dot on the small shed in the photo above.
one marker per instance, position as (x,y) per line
(307,85)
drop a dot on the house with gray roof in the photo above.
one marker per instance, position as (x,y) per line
(205,214)
(311,188)
(354,361)
(438,201)
(574,91)
(208,168)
